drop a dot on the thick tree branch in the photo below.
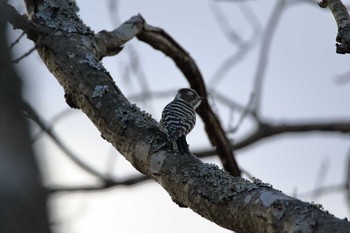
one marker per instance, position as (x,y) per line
(231,202)
(110,43)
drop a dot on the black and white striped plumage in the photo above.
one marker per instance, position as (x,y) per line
(179,118)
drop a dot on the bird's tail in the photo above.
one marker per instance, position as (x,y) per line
(182,145)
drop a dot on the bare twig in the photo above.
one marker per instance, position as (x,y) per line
(250,16)
(320,178)
(246,112)
(233,36)
(127,182)
(264,52)
(266,130)
(347,182)
(247,174)
(52,122)
(229,63)
(315,193)
(134,65)
(230,103)
(24,55)
(137,69)
(30,113)
(16,41)
(244,46)
(33,31)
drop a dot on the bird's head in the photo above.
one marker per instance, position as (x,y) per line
(190,96)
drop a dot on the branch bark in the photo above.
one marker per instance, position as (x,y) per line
(231,202)
(341,16)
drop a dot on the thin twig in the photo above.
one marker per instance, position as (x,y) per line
(230,103)
(16,41)
(264,52)
(233,36)
(320,178)
(52,122)
(127,182)
(244,46)
(31,114)
(134,64)
(246,112)
(315,193)
(250,16)
(347,182)
(24,55)
(266,130)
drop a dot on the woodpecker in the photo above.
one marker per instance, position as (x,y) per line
(179,118)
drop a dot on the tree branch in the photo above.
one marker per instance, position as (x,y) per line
(30,113)
(32,30)
(244,46)
(266,130)
(103,186)
(160,40)
(17,60)
(341,16)
(264,54)
(110,43)
(207,190)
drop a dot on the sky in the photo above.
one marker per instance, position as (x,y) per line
(300,84)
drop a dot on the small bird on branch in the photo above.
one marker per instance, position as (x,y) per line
(179,118)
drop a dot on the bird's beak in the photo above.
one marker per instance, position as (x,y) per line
(199,101)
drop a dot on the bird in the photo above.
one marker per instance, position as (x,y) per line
(179,118)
